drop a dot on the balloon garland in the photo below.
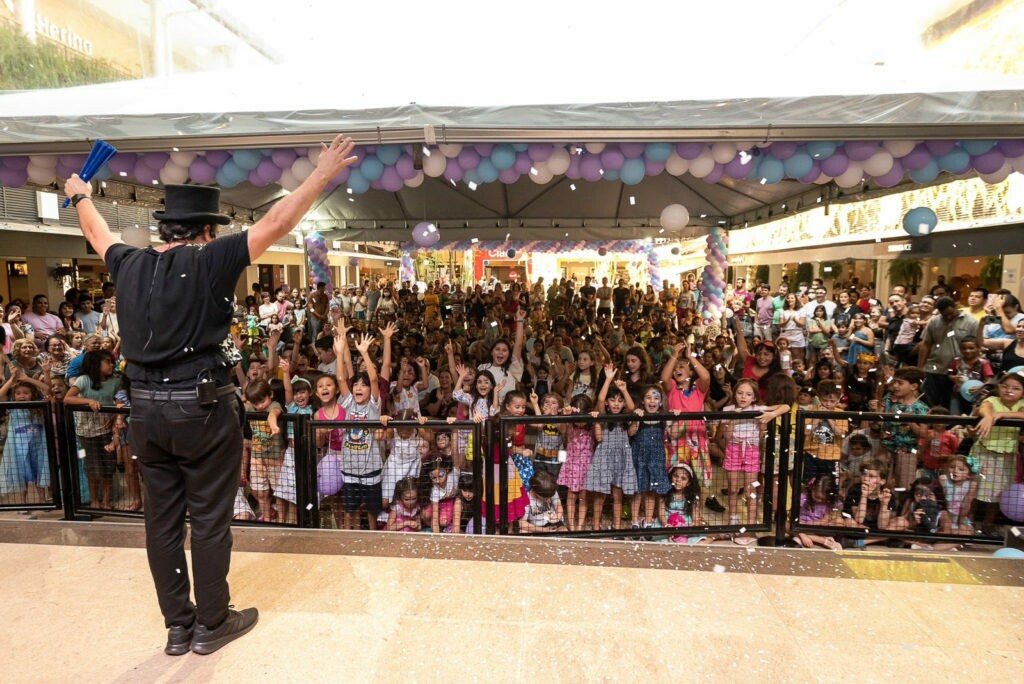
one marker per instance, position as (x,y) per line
(316,248)
(713,285)
(406,270)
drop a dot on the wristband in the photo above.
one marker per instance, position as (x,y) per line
(75,199)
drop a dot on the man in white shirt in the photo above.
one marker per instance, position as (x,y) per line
(819,298)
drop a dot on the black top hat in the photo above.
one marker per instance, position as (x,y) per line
(192,204)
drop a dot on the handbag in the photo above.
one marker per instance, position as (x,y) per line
(328,475)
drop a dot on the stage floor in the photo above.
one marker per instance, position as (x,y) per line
(78,604)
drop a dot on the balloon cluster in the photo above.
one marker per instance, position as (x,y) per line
(713,285)
(392,167)
(406,270)
(316,248)
(654,269)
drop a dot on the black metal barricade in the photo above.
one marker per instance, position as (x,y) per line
(273,486)
(340,476)
(852,490)
(680,448)
(99,473)
(29,466)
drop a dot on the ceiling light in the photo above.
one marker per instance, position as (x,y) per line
(661,231)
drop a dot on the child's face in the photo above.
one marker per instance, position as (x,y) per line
(958,471)
(744,395)
(857,449)
(804,399)
(1010,391)
(22,394)
(423,448)
(410,499)
(871,480)
(863,367)
(680,479)
(829,401)
(58,387)
(616,403)
(632,363)
(550,407)
(516,406)
(361,391)
(326,390)
(584,361)
(442,440)
(483,386)
(901,389)
(467,494)
(969,350)
(301,396)
(652,401)
(262,404)
(439,477)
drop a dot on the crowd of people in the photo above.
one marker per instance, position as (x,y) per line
(384,351)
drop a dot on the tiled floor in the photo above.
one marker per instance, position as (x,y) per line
(388,608)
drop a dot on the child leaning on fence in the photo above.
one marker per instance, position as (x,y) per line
(264,454)
(995,449)
(611,470)
(582,438)
(25,457)
(94,388)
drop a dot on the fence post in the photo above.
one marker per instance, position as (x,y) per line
(305,463)
(70,485)
(486,448)
(478,483)
(784,438)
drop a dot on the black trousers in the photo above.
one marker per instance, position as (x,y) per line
(937,390)
(190,458)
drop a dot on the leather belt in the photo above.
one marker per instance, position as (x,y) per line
(177,395)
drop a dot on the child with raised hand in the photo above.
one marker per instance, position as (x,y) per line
(995,449)
(819,505)
(265,456)
(298,392)
(680,506)
(518,463)
(406,515)
(551,437)
(361,460)
(647,441)
(611,470)
(24,456)
(544,512)
(404,457)
(483,401)
(743,448)
(869,504)
(899,437)
(580,443)
(463,506)
(329,442)
(686,383)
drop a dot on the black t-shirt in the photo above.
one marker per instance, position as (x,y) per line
(176,305)
(587,293)
(874,507)
(620,296)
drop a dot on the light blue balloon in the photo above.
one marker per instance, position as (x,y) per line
(658,151)
(247,159)
(225,178)
(611,174)
(1008,553)
(471,176)
(520,147)
(371,168)
(487,171)
(799,165)
(926,174)
(976,147)
(769,170)
(633,171)
(357,182)
(920,221)
(388,154)
(956,161)
(820,149)
(503,156)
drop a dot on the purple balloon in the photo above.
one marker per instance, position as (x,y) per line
(573,172)
(216,157)
(540,151)
(835,165)
(342,176)
(632,150)
(612,158)
(453,171)
(13,178)
(918,159)
(21,162)
(200,171)
(590,168)
(653,168)
(860,150)
(715,175)
(268,171)
(523,163)
(484,149)
(145,174)
(1010,148)
(425,234)
(508,176)
(939,147)
(737,170)
(256,179)
(892,177)
(406,167)
(990,162)
(391,181)
(284,158)
(122,163)
(783,149)
(155,160)
(690,150)
(813,174)
(468,158)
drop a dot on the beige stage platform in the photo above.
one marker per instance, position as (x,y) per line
(78,605)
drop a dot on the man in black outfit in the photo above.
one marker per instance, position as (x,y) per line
(175,308)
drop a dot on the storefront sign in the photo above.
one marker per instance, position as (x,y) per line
(63,35)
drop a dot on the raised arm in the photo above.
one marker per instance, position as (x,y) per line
(387,332)
(670,366)
(517,345)
(341,355)
(602,396)
(363,347)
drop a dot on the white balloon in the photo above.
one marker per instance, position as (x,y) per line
(676,165)
(899,148)
(1018,164)
(182,158)
(314,154)
(414,182)
(559,160)
(450,151)
(172,173)
(702,165)
(823,179)
(302,167)
(136,236)
(997,176)
(43,161)
(40,175)
(288,181)
(434,165)
(540,173)
(852,176)
(878,164)
(674,217)
(595,148)
(723,152)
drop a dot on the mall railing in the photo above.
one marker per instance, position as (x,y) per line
(915,486)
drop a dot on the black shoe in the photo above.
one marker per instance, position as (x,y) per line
(714,504)
(179,639)
(238,622)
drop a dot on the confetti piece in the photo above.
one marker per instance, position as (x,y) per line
(755,484)
(309,507)
(753,496)
(847,515)
(1015,531)
(177,570)
(81,454)
(719,568)
(742,530)
(182,275)
(951,333)
(900,489)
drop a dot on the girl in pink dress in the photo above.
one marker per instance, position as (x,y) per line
(686,382)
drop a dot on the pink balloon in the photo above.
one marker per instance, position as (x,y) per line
(200,171)
(391,181)
(508,176)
